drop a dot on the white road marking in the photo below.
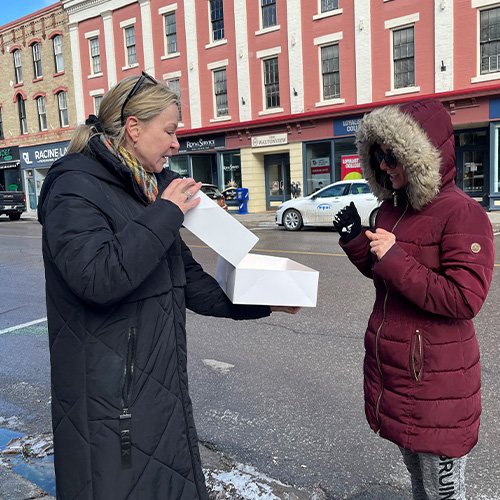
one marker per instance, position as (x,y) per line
(18,327)
(218,366)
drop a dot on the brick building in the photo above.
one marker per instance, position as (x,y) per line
(272,90)
(37,110)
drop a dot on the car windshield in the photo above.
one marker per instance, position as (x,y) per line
(328,192)
(211,190)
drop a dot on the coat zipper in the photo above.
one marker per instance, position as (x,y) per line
(126,416)
(417,347)
(377,338)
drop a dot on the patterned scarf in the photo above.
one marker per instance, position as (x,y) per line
(146,181)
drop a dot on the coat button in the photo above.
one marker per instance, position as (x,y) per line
(475,247)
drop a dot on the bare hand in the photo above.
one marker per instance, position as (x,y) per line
(286,309)
(181,192)
(380,241)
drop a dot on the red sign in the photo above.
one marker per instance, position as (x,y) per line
(350,167)
(320,170)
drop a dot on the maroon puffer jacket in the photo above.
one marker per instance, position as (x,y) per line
(422,374)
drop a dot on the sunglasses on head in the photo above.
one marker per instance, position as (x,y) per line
(390,160)
(134,91)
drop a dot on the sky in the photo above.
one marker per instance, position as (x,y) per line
(11,10)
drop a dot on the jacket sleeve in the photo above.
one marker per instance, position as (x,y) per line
(205,296)
(99,265)
(358,251)
(459,288)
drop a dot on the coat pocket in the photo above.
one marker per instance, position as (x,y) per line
(417,355)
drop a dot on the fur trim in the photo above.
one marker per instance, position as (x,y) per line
(411,145)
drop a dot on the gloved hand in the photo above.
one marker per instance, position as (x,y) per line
(347,223)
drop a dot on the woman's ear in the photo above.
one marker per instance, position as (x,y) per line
(132,128)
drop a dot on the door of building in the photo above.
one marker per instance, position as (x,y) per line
(277,175)
(472,163)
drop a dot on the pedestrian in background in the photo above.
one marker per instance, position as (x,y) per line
(431,260)
(118,281)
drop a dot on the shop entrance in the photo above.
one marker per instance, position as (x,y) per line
(277,176)
(204,168)
(472,151)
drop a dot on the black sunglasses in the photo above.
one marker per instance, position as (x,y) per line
(390,160)
(134,91)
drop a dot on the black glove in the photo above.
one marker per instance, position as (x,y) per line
(347,223)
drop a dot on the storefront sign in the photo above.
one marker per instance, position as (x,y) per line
(202,143)
(261,141)
(9,155)
(346,126)
(320,166)
(350,167)
(42,155)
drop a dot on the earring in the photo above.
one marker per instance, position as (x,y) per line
(135,145)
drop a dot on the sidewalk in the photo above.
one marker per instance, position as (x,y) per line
(226,480)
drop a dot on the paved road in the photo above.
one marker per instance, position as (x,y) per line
(291,404)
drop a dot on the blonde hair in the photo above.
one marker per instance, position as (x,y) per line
(147,103)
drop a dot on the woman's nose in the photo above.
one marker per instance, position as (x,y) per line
(383,165)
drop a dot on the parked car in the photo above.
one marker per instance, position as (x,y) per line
(230,196)
(213,192)
(319,208)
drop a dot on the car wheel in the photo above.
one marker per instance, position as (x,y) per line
(15,216)
(292,220)
(372,220)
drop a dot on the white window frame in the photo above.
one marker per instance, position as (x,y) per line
(41,107)
(167,78)
(23,119)
(63,108)
(96,94)
(58,53)
(213,67)
(125,25)
(322,41)
(18,65)
(397,24)
(210,26)
(262,30)
(267,54)
(163,12)
(481,5)
(328,13)
(36,52)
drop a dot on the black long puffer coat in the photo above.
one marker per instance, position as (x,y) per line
(118,280)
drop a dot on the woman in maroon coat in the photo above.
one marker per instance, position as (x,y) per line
(431,260)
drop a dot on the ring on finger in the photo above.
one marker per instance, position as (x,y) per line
(188,194)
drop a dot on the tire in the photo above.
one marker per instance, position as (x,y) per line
(372,220)
(15,216)
(292,220)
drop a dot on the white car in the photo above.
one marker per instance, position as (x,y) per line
(319,208)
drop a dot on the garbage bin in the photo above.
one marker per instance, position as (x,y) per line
(242,198)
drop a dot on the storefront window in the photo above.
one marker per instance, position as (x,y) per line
(496,159)
(231,168)
(318,166)
(342,148)
(179,164)
(472,156)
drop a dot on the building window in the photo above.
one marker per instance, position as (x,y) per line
(327,5)
(171,32)
(268,13)
(130,45)
(95,55)
(220,91)
(404,57)
(21,108)
(42,113)
(97,103)
(58,54)
(490,40)
(37,60)
(18,67)
(1,125)
(174,85)
(217,19)
(271,83)
(231,165)
(330,71)
(62,102)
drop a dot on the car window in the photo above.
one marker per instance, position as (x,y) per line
(360,188)
(337,190)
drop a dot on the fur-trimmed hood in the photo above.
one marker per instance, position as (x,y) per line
(420,134)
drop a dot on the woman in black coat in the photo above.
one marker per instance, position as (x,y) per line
(118,281)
